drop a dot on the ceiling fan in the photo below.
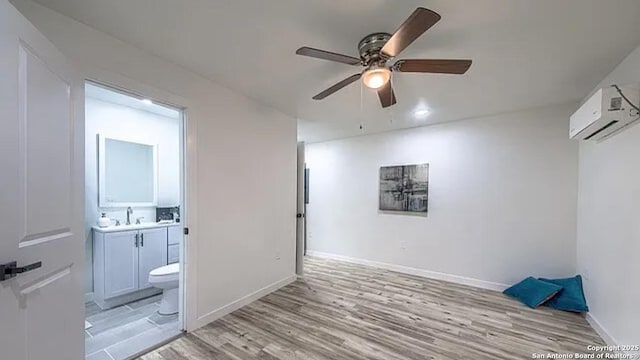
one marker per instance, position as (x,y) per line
(379,48)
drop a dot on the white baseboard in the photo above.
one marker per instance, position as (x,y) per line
(608,339)
(414,271)
(127,298)
(244,301)
(604,334)
(88,297)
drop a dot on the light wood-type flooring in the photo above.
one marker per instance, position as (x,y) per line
(346,311)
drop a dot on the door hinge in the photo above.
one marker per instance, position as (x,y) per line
(185,231)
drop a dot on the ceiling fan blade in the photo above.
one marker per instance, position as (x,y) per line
(433,66)
(419,22)
(327,55)
(386,95)
(337,87)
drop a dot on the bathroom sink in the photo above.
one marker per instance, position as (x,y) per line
(144,225)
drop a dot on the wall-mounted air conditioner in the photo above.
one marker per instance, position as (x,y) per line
(606,113)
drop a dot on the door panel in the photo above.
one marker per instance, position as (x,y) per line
(43,342)
(45,149)
(41,192)
(153,253)
(120,263)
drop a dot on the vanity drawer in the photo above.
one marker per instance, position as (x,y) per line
(175,233)
(173,253)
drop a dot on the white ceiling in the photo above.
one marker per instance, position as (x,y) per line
(526,53)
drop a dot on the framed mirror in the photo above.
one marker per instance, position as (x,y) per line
(127,173)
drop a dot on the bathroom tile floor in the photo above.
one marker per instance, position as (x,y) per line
(126,330)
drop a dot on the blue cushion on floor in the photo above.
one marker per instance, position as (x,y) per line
(571,298)
(533,292)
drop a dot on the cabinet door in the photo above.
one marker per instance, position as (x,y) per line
(152,253)
(120,263)
(175,234)
(173,254)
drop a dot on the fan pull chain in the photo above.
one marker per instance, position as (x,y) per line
(361,106)
(391,95)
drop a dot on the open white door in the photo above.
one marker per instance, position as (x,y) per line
(41,190)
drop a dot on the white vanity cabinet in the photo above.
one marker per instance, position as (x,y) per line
(122,259)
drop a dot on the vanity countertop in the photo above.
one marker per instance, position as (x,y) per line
(145,225)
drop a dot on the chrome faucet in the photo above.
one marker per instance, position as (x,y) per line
(129,212)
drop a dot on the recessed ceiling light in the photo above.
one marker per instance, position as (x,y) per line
(421,113)
(147,102)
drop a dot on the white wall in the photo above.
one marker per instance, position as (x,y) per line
(122,122)
(241,187)
(609,223)
(502,198)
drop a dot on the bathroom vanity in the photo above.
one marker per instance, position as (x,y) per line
(124,255)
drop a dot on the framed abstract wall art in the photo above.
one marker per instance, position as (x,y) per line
(404,188)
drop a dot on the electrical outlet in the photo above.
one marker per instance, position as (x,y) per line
(278,255)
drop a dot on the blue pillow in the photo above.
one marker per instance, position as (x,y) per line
(571,298)
(533,292)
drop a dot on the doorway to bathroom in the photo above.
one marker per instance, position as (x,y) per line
(134,216)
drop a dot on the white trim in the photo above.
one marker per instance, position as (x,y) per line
(46,281)
(414,271)
(105,304)
(608,339)
(184,213)
(188,260)
(604,334)
(300,207)
(88,297)
(244,301)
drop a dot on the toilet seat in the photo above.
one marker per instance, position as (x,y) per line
(165,273)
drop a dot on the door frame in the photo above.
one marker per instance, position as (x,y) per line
(188,193)
(301,228)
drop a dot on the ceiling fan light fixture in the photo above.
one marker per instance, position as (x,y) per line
(376,77)
(377,49)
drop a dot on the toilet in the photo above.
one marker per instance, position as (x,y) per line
(167,278)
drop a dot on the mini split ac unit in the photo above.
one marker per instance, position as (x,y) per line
(605,113)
